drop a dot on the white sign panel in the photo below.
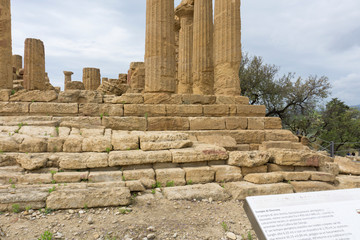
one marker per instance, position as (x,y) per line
(328,215)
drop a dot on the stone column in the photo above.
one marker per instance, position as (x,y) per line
(227,47)
(17,62)
(202,68)
(186,15)
(91,78)
(34,64)
(160,46)
(6,69)
(68,75)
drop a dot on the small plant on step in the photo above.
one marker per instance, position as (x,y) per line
(156,185)
(57,131)
(52,189)
(46,236)
(170,184)
(153,191)
(16,208)
(108,150)
(27,208)
(189,182)
(225,226)
(1,152)
(13,92)
(13,186)
(249,237)
(85,206)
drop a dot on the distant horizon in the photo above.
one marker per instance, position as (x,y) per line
(316,38)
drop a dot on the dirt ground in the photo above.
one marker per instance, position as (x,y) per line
(149,217)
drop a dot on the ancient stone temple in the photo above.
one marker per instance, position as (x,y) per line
(17,62)
(227,47)
(160,47)
(91,78)
(6,70)
(34,65)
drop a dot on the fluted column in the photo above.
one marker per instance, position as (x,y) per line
(6,70)
(17,62)
(227,47)
(160,46)
(91,78)
(34,64)
(203,68)
(186,15)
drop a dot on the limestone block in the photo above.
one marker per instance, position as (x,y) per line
(8,144)
(282,145)
(34,96)
(96,144)
(110,176)
(138,157)
(347,166)
(33,145)
(90,132)
(198,192)
(124,140)
(248,136)
(311,186)
(304,169)
(236,123)
(69,177)
(91,78)
(24,197)
(73,144)
(97,160)
(78,122)
(35,178)
(321,176)
(218,140)
(6,69)
(168,124)
(135,186)
(329,167)
(279,168)
(296,176)
(184,110)
(94,109)
(7,178)
(264,178)
(129,98)
(199,153)
(54,108)
(5,95)
(248,159)
(34,65)
(35,131)
(170,175)
(83,160)
(346,182)
(249,170)
(251,110)
(256,123)
(241,190)
(7,160)
(13,107)
(125,123)
(223,99)
(218,110)
(225,173)
(198,99)
(162,98)
(32,161)
(74,85)
(80,96)
(155,141)
(199,174)
(55,144)
(94,197)
(280,135)
(207,123)
(146,176)
(273,123)
(141,110)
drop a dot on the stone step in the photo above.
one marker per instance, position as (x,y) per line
(282,145)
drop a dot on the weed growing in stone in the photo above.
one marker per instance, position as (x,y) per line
(27,208)
(52,189)
(156,185)
(1,152)
(13,92)
(16,208)
(225,226)
(53,172)
(249,236)
(46,236)
(123,210)
(85,206)
(57,130)
(108,150)
(123,178)
(53,182)
(189,182)
(20,125)
(170,184)
(153,191)
(13,186)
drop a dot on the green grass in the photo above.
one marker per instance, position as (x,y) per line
(108,150)
(46,236)
(170,184)
(16,208)
(1,152)
(225,226)
(52,189)
(13,186)
(27,208)
(57,130)
(156,185)
(189,182)
(153,191)
(249,236)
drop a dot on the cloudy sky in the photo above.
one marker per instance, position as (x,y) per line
(307,37)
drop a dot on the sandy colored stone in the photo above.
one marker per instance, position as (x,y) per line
(227,47)
(241,190)
(32,161)
(251,110)
(34,65)
(280,135)
(256,123)
(184,110)
(33,145)
(94,109)
(73,144)
(273,123)
(145,176)
(125,123)
(129,98)
(6,69)
(135,186)
(124,140)
(55,144)
(8,144)
(321,176)
(83,160)
(202,57)
(199,153)
(5,95)
(249,170)
(248,159)
(218,110)
(136,76)
(36,131)
(96,144)
(218,140)
(13,107)
(198,99)
(264,178)
(141,110)
(154,141)
(35,178)
(236,123)
(74,85)
(296,176)
(137,157)
(347,166)
(207,123)
(34,96)
(298,158)
(330,167)
(311,186)
(160,47)
(282,145)
(69,177)
(225,173)
(198,192)
(95,197)
(346,182)
(168,124)
(248,136)
(162,98)
(278,168)
(91,78)
(169,176)
(54,108)
(199,174)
